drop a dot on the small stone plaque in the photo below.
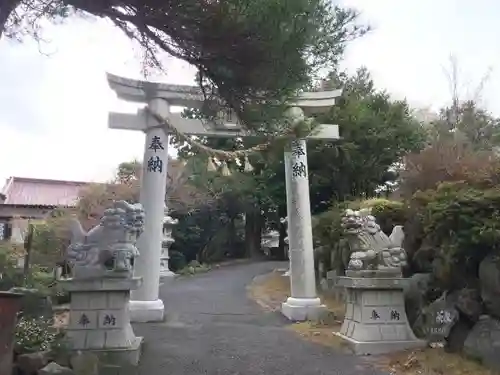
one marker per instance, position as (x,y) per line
(440,318)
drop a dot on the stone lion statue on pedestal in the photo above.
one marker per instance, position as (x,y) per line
(371,249)
(109,248)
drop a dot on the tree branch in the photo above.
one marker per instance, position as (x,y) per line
(6,9)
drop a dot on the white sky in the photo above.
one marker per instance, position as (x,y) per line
(53,106)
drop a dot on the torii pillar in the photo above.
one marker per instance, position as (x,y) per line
(145,304)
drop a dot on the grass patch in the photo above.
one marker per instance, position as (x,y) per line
(319,334)
(271,290)
(194,268)
(431,361)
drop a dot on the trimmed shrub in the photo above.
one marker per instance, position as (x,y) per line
(388,213)
(451,230)
(177,260)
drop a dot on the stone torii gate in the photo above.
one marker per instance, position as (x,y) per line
(145,306)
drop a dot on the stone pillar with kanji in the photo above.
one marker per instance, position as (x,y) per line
(304,303)
(146,306)
(103,260)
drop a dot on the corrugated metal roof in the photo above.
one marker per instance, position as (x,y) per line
(41,192)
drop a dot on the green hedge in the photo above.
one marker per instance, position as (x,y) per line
(451,230)
(448,231)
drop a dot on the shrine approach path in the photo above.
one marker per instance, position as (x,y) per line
(212,328)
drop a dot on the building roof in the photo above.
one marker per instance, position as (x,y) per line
(25,191)
(41,192)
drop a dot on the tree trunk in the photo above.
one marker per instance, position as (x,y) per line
(282,230)
(28,242)
(6,9)
(282,251)
(235,253)
(253,233)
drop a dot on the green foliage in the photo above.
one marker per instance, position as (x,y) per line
(177,260)
(7,265)
(454,228)
(389,214)
(254,54)
(129,172)
(37,278)
(7,254)
(376,133)
(194,268)
(467,122)
(208,234)
(216,230)
(40,279)
(328,236)
(34,303)
(50,240)
(33,335)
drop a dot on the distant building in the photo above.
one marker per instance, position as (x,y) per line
(31,198)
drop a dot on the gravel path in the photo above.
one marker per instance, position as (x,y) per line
(212,328)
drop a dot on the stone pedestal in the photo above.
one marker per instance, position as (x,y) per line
(375,321)
(301,309)
(99,319)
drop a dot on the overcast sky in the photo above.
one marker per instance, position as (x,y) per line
(54,104)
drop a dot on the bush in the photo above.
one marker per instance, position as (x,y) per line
(328,238)
(194,267)
(33,335)
(452,229)
(51,237)
(388,213)
(177,260)
(10,275)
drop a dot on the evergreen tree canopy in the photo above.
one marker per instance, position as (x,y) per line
(254,54)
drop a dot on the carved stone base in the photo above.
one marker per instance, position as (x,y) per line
(99,319)
(146,311)
(302,309)
(384,273)
(375,321)
(124,358)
